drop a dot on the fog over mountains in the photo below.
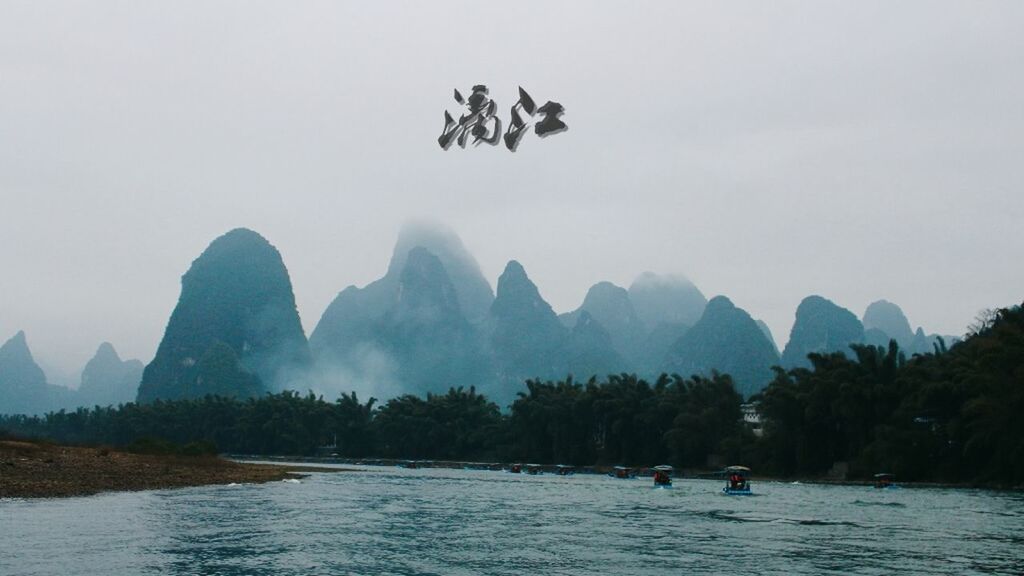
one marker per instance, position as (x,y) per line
(105,380)
(433,322)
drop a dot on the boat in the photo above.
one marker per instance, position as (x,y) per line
(737,481)
(622,472)
(662,476)
(885,480)
(533,469)
(565,470)
(516,468)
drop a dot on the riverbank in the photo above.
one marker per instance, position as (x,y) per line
(599,469)
(31,469)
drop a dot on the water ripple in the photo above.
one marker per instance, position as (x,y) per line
(454,522)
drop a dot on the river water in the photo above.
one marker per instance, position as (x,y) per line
(431,521)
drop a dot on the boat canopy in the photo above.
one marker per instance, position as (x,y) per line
(663,468)
(738,469)
(884,475)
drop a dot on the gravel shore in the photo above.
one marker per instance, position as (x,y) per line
(42,470)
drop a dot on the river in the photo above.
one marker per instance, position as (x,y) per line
(454,522)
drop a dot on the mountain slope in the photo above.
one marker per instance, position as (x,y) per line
(611,307)
(666,299)
(525,335)
(820,326)
(728,340)
(23,386)
(236,294)
(109,381)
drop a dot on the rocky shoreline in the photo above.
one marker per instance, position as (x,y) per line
(41,470)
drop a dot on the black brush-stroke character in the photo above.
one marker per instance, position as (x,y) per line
(551,123)
(479,122)
(517,126)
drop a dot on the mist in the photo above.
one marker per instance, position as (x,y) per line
(855,150)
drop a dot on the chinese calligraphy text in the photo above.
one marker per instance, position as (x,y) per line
(480,122)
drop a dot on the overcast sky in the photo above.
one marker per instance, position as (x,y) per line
(856,150)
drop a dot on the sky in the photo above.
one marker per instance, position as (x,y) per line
(768,151)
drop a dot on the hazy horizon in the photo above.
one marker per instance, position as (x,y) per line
(857,151)
(54,368)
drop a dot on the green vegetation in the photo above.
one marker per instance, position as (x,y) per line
(626,420)
(622,420)
(160,447)
(949,415)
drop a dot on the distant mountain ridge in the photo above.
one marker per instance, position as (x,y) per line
(431,322)
(106,381)
(727,340)
(416,329)
(524,332)
(888,318)
(23,386)
(884,321)
(427,332)
(612,309)
(661,298)
(473,292)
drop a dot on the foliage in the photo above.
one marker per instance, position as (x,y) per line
(947,415)
(623,420)
(626,420)
(456,425)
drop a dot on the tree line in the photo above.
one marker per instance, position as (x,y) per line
(949,415)
(623,419)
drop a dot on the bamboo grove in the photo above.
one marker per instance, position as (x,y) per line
(950,415)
